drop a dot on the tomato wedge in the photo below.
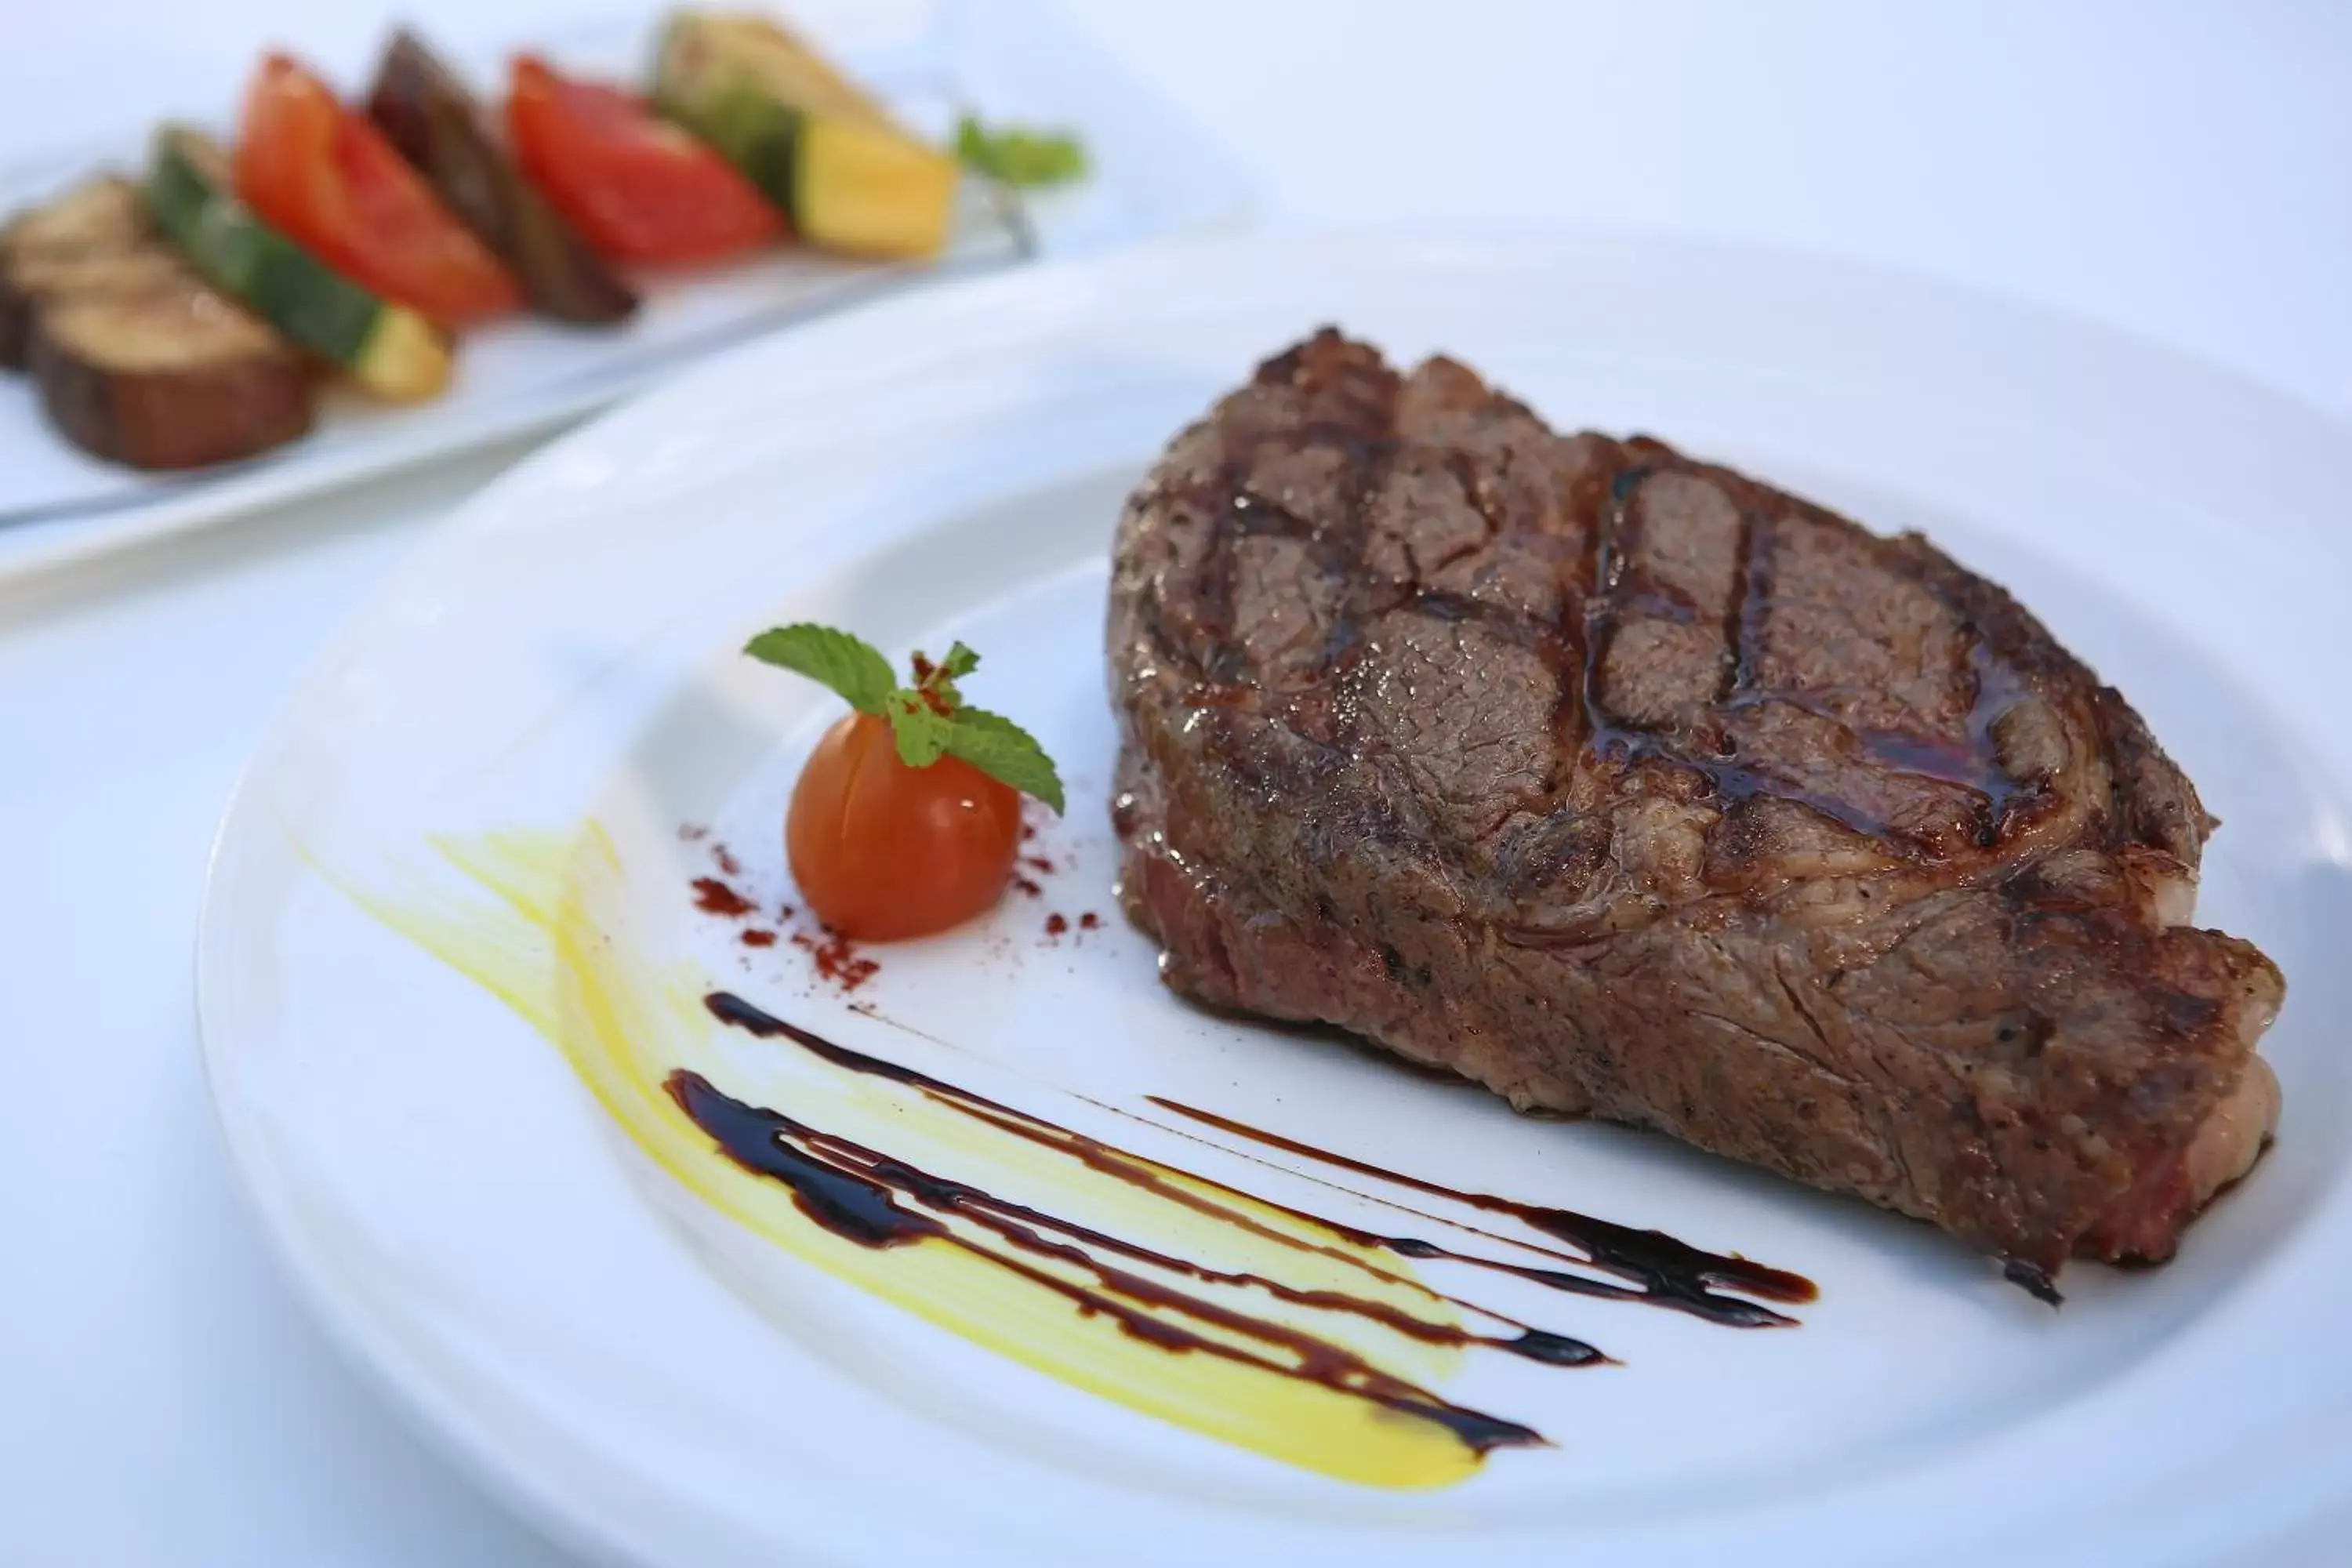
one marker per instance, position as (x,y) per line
(639,188)
(330,179)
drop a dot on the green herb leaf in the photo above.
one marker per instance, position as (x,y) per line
(1018,156)
(940,677)
(928,720)
(960,662)
(1005,751)
(849,665)
(922,733)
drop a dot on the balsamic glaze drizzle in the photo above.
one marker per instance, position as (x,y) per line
(874,1199)
(1666,1271)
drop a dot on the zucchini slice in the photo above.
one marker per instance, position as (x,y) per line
(388,349)
(846,174)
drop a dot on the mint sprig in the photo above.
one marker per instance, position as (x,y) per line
(848,665)
(929,719)
(1017,156)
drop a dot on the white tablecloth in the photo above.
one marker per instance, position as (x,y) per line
(2175,169)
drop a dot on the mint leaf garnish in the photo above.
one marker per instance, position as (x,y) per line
(1017,156)
(849,665)
(1005,751)
(940,678)
(928,719)
(960,662)
(922,733)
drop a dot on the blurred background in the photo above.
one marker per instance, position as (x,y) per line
(2175,169)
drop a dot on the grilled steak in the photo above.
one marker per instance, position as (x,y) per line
(1624,784)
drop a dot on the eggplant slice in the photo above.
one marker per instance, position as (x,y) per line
(67,241)
(173,375)
(425,110)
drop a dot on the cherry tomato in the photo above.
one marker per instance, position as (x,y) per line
(639,188)
(883,851)
(330,179)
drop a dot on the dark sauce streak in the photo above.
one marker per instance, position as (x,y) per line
(1105,1160)
(845,1203)
(1092,1152)
(1666,1272)
(1533,1342)
(875,1200)
(2033,1280)
(1732,1313)
(1972,764)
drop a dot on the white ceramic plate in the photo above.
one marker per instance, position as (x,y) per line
(1153,175)
(661,1384)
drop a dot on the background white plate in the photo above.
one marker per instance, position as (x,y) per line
(1152,175)
(463,1217)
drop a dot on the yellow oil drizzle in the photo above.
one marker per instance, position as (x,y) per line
(552,942)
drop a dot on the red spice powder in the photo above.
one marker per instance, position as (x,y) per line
(713,897)
(837,958)
(1039,863)
(1090,922)
(834,957)
(1056,924)
(1028,831)
(1028,886)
